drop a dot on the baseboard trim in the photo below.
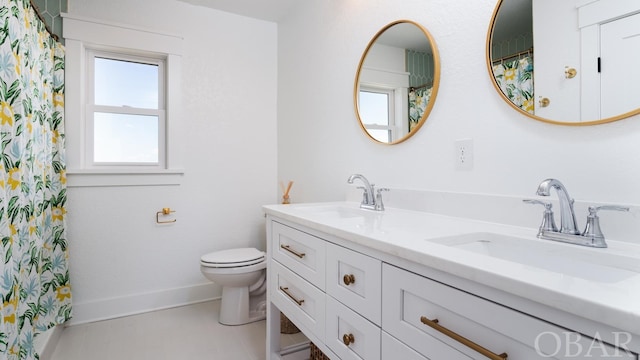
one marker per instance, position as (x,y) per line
(116,307)
(46,342)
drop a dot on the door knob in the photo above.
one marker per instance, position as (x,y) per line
(544,102)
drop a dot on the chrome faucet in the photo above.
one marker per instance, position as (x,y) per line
(591,236)
(568,224)
(369,200)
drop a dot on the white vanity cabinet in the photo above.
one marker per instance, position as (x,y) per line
(392,348)
(297,299)
(427,314)
(302,253)
(349,335)
(296,273)
(356,303)
(354,279)
(353,304)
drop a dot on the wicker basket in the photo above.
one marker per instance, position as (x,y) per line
(316,354)
(286,326)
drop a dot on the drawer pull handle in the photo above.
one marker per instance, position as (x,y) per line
(348,339)
(287,248)
(461,339)
(286,291)
(349,279)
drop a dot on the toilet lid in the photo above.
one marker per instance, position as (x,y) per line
(233,257)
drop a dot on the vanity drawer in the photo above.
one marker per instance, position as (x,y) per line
(411,303)
(300,301)
(355,280)
(349,335)
(392,348)
(304,254)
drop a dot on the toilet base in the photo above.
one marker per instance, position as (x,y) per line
(238,307)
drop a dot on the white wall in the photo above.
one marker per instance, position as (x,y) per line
(320,142)
(118,252)
(121,260)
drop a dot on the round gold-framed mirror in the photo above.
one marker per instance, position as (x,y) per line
(565,62)
(396,82)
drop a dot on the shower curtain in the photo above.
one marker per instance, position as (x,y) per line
(515,79)
(34,275)
(418,100)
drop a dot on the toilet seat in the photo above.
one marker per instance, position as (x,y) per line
(233,258)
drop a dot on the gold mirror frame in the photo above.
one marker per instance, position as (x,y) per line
(532,116)
(434,89)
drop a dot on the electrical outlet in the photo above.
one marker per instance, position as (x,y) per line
(463,154)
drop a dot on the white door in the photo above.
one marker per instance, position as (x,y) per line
(556,41)
(620,73)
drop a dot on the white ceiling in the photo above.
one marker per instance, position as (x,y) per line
(406,36)
(270,10)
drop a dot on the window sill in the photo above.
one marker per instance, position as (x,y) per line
(123,177)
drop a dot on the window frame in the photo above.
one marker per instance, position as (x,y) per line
(391,127)
(83,34)
(92,108)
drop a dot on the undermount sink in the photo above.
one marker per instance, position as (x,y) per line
(598,265)
(333,211)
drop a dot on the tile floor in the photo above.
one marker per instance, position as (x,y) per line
(183,333)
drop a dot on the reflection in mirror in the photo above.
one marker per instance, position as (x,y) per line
(397,81)
(582,69)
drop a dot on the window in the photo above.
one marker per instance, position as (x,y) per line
(122,105)
(125,117)
(377,111)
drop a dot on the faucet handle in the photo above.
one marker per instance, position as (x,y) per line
(547,205)
(368,197)
(548,221)
(364,188)
(593,230)
(365,197)
(379,203)
(593,210)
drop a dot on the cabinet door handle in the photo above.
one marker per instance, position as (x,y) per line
(285,290)
(348,339)
(348,279)
(461,339)
(287,248)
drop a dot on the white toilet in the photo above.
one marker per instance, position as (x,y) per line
(242,275)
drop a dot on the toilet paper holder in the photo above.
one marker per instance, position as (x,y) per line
(165,211)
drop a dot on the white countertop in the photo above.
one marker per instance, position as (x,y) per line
(409,235)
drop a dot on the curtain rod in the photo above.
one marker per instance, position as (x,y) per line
(425,85)
(527,52)
(37,11)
